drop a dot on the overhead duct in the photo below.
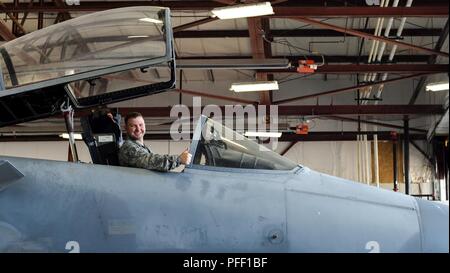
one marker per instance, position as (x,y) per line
(251,64)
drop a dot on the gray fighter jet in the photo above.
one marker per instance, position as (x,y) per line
(235,196)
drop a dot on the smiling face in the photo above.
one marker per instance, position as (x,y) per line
(136,128)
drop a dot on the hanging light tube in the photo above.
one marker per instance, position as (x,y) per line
(254,86)
(243,11)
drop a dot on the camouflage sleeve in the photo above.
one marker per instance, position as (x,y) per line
(140,158)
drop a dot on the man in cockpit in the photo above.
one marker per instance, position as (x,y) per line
(134,153)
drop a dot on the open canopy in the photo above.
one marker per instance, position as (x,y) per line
(80,58)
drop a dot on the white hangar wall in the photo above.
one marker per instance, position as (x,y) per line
(340,158)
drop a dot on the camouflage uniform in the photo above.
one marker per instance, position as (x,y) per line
(134,154)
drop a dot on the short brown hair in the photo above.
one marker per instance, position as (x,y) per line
(132,115)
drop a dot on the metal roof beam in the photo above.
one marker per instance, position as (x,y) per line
(194,24)
(345,89)
(378,123)
(344,136)
(257,28)
(226,2)
(378,68)
(307,110)
(292,12)
(371,36)
(212,96)
(13,18)
(431,61)
(286,9)
(419,32)
(328,58)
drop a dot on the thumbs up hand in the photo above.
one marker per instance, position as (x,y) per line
(185,157)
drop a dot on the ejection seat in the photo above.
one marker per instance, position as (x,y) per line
(103,136)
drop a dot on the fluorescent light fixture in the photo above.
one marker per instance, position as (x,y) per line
(69,72)
(262,134)
(254,86)
(438,86)
(76,136)
(243,11)
(137,36)
(151,20)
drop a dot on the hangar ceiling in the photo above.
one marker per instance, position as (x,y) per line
(349,41)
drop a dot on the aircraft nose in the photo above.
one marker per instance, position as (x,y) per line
(434,218)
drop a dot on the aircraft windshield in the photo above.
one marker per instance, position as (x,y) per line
(92,42)
(220,146)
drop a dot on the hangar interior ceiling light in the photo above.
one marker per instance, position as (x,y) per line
(137,36)
(254,86)
(243,11)
(437,86)
(76,136)
(262,134)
